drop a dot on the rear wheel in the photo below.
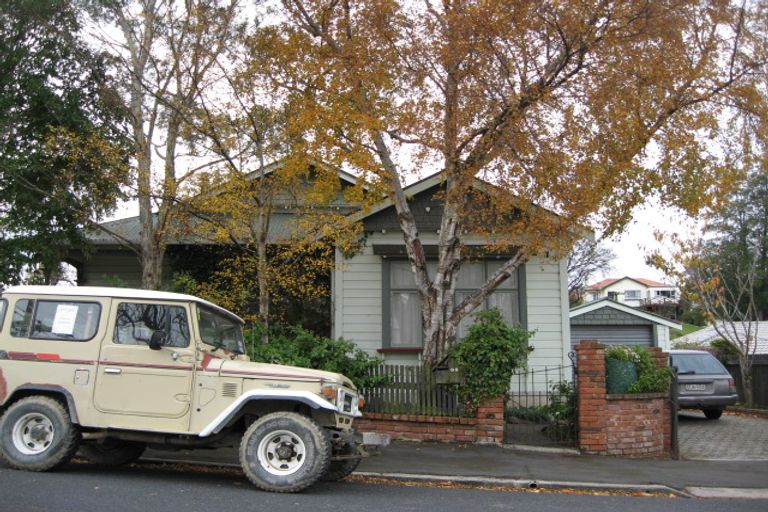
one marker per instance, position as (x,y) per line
(284,452)
(112,453)
(712,414)
(37,434)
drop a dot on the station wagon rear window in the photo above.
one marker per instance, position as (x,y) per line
(55,320)
(688,364)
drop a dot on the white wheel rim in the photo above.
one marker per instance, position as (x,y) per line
(33,433)
(281,453)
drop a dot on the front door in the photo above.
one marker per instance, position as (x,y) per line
(139,387)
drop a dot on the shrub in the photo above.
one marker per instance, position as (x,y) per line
(294,346)
(488,356)
(650,378)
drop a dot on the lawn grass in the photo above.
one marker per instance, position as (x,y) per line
(687,329)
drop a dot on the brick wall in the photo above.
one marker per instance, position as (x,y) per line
(631,425)
(486,428)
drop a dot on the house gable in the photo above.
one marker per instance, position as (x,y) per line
(607,315)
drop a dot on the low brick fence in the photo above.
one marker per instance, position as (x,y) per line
(630,425)
(486,428)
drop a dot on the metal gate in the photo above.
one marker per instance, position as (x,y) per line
(542,407)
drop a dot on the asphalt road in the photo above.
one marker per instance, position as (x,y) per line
(145,488)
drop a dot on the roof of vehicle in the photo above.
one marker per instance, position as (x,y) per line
(687,351)
(106,291)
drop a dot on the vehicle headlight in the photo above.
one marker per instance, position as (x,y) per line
(330,392)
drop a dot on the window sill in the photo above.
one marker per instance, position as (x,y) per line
(402,350)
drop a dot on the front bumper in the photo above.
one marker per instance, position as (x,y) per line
(365,444)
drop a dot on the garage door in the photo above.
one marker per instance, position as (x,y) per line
(613,334)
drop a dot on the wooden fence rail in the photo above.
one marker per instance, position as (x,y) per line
(410,390)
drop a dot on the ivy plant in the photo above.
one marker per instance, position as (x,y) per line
(488,356)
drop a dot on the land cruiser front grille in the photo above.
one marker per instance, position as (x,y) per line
(230,389)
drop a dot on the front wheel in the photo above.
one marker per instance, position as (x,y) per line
(284,452)
(713,414)
(37,434)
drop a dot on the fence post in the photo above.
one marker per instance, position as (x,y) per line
(673,406)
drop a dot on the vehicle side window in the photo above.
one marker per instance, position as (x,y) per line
(136,323)
(22,317)
(55,320)
(3,308)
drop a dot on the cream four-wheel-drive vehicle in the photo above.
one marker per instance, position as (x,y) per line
(109,371)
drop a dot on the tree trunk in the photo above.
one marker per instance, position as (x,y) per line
(745,367)
(263,277)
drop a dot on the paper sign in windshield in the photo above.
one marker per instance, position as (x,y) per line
(64,321)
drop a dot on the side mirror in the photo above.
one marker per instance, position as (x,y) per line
(157,340)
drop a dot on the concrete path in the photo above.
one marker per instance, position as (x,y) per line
(731,438)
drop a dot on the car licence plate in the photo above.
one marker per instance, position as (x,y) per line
(695,387)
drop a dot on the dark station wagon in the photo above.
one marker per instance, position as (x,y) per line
(703,382)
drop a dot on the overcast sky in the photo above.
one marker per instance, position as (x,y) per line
(638,240)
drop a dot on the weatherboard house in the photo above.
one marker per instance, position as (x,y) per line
(633,291)
(374,302)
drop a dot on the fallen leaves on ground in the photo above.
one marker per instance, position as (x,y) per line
(506,488)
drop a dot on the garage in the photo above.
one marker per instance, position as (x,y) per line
(614,323)
(613,335)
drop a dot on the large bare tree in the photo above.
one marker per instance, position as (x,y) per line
(164,52)
(554,103)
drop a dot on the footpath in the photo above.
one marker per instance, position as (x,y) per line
(503,466)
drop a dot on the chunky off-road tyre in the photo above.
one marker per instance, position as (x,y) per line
(37,434)
(712,414)
(340,469)
(113,453)
(284,452)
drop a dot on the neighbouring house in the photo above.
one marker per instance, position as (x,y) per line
(633,291)
(374,302)
(614,323)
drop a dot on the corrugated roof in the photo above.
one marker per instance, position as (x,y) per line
(282,226)
(708,334)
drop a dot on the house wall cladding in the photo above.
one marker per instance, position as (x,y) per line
(486,428)
(358,305)
(609,316)
(630,425)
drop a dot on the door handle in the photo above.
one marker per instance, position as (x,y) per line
(114,371)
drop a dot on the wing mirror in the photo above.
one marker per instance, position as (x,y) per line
(157,340)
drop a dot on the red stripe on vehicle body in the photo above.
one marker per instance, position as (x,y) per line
(144,365)
(47,358)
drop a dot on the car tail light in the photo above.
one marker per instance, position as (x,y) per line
(731,386)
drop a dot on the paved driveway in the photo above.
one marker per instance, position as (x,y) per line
(732,437)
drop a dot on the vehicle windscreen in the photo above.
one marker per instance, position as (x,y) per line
(697,363)
(220,331)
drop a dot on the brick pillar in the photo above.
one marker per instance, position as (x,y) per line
(490,422)
(591,396)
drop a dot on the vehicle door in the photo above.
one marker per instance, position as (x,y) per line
(135,380)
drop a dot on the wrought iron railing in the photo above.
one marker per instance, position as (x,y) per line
(542,407)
